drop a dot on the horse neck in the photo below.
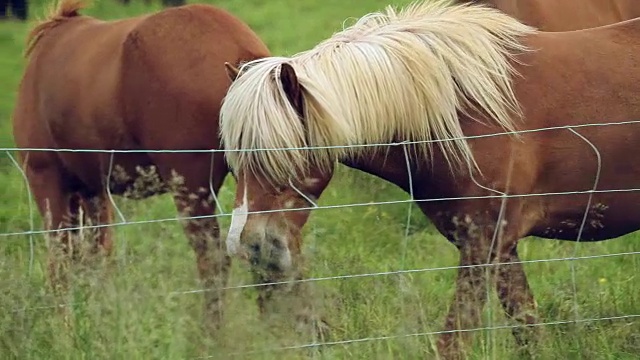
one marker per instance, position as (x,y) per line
(432,177)
(390,164)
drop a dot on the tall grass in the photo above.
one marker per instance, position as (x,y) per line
(134,306)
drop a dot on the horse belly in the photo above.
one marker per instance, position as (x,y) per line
(134,176)
(602,222)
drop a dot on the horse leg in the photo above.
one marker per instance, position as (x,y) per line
(468,302)
(59,208)
(515,295)
(194,200)
(475,238)
(97,211)
(212,261)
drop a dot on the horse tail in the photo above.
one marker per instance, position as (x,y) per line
(59,12)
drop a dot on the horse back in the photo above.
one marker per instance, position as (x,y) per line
(150,82)
(69,88)
(172,88)
(566,15)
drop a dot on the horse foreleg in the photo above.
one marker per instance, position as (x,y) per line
(515,295)
(468,302)
(212,261)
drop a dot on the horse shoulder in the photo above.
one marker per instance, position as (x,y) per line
(173,68)
(202,24)
(186,48)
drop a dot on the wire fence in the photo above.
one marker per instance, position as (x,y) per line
(426,333)
(32,232)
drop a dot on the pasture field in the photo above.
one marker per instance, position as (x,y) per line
(134,307)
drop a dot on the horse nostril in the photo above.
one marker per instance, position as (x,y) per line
(254,254)
(269,253)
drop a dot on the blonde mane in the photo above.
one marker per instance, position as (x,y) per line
(392,76)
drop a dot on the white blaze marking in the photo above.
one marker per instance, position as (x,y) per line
(238,221)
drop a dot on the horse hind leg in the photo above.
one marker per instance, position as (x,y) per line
(55,202)
(57,206)
(64,212)
(90,234)
(98,216)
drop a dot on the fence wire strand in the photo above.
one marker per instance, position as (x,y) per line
(390,144)
(320,207)
(363,275)
(427,333)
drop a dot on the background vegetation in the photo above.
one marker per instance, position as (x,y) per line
(131,310)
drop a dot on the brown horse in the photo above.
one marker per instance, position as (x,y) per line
(438,80)
(566,15)
(131,84)
(166,3)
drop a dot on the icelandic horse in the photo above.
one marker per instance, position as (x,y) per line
(131,84)
(460,92)
(566,15)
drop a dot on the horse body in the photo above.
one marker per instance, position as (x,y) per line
(132,84)
(566,15)
(554,161)
(564,79)
(84,112)
(580,90)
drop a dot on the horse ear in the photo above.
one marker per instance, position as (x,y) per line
(292,88)
(232,71)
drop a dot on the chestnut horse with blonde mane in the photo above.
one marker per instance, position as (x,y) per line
(439,81)
(566,15)
(131,84)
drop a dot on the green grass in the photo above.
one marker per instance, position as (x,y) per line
(127,311)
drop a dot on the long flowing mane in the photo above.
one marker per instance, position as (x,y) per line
(392,76)
(58,12)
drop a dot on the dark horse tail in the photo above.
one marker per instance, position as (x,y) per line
(58,12)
